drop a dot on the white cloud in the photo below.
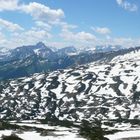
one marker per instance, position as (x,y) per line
(2,38)
(85,36)
(127,5)
(28,37)
(64,25)
(36,10)
(126,42)
(8,5)
(42,15)
(36,35)
(43,25)
(123,41)
(41,12)
(101,30)
(119,2)
(78,37)
(7,25)
(58,44)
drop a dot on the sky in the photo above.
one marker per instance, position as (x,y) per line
(61,23)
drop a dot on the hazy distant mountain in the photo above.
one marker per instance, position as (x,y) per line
(26,60)
(68,51)
(106,48)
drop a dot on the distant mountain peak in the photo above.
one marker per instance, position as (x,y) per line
(68,50)
(40,44)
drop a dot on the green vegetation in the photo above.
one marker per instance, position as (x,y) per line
(92,131)
(7,126)
(54,121)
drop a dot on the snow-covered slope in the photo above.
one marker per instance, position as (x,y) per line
(53,132)
(105,90)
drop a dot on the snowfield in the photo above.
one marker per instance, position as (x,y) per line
(36,136)
(130,135)
(60,133)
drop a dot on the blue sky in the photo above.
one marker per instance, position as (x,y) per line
(60,23)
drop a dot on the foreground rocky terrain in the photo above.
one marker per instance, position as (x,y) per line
(102,89)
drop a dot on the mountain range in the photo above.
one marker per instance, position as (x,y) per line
(27,60)
(106,89)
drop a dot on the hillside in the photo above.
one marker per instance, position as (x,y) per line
(103,90)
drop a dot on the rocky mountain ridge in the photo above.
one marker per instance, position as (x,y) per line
(27,60)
